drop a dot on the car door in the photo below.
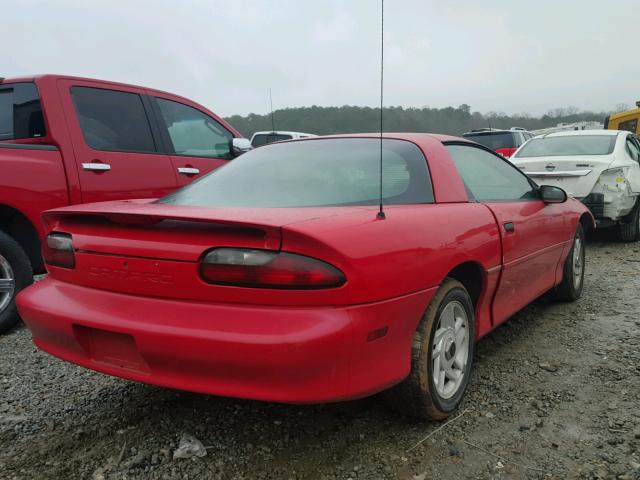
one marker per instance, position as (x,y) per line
(196,141)
(534,234)
(117,154)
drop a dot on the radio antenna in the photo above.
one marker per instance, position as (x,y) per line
(273,122)
(381,214)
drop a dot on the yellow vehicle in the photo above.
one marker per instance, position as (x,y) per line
(629,120)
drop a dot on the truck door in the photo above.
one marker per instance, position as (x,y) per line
(117,154)
(533,234)
(197,141)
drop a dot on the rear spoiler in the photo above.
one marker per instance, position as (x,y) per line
(147,214)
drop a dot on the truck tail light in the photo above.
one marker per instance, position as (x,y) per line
(506,152)
(268,269)
(57,250)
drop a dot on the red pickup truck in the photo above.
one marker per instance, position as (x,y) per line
(67,140)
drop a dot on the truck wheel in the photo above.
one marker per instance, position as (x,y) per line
(570,288)
(629,228)
(15,274)
(441,356)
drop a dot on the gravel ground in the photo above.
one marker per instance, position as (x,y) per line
(555,393)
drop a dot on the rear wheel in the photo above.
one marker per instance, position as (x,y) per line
(629,228)
(15,274)
(570,288)
(441,356)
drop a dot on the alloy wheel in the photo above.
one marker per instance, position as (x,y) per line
(7,284)
(450,349)
(578,262)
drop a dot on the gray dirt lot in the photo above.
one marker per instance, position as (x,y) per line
(555,394)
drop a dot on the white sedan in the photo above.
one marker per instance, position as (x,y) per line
(599,167)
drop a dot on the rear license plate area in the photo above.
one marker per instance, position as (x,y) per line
(111,348)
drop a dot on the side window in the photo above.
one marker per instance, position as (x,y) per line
(629,125)
(20,112)
(113,120)
(489,177)
(632,149)
(194,133)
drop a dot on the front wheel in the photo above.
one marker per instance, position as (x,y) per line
(15,274)
(570,288)
(441,356)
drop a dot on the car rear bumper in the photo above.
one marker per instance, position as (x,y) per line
(595,203)
(294,355)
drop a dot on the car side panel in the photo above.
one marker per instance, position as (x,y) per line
(411,250)
(532,246)
(32,180)
(58,134)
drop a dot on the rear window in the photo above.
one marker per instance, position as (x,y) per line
(20,112)
(493,140)
(263,139)
(629,125)
(328,172)
(568,146)
(113,120)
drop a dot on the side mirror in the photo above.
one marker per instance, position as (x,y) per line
(551,194)
(240,146)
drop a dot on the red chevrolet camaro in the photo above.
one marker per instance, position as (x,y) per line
(274,277)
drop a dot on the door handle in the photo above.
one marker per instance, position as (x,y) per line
(188,171)
(509,227)
(96,167)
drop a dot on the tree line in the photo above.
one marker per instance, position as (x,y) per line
(449,120)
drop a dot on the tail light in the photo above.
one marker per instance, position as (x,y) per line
(57,250)
(268,269)
(506,152)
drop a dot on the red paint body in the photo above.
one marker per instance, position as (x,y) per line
(135,307)
(35,180)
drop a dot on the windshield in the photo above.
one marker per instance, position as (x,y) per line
(264,138)
(492,140)
(568,146)
(326,172)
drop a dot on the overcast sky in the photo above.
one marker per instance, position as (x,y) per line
(495,55)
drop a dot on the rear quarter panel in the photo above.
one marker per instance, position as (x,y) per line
(412,250)
(32,181)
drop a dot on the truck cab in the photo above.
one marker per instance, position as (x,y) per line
(68,140)
(628,120)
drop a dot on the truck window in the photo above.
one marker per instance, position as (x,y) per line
(629,125)
(20,112)
(112,120)
(194,133)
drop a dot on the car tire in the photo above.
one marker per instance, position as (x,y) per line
(429,391)
(629,228)
(15,274)
(570,288)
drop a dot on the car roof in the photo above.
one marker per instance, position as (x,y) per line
(280,132)
(410,136)
(489,131)
(49,76)
(573,133)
